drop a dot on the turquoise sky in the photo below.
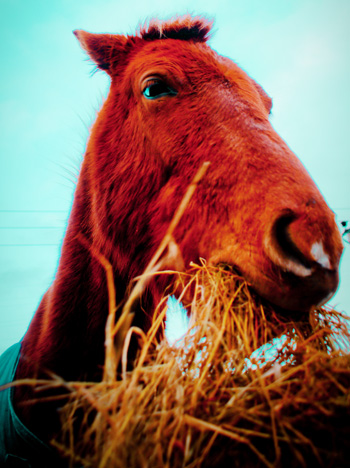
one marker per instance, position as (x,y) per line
(298,50)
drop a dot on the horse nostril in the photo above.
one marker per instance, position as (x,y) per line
(283,251)
(285,244)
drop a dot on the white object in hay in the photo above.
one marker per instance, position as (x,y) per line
(177,325)
(177,322)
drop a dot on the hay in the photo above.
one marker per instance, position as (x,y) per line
(212,400)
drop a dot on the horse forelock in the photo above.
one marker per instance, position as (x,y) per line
(185,28)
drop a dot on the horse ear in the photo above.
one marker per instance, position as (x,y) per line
(104,49)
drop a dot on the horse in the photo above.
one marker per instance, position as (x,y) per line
(174,103)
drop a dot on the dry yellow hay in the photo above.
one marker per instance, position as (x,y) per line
(207,403)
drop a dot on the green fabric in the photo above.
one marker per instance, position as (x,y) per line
(19,447)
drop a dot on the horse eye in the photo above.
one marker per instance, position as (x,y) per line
(157,88)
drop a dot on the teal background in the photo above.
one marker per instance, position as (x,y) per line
(297,50)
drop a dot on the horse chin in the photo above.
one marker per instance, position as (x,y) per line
(286,291)
(297,293)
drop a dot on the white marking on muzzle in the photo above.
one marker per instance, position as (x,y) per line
(297,268)
(320,255)
(286,264)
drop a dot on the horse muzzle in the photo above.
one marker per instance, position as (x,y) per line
(305,253)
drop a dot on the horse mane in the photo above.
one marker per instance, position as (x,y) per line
(184,27)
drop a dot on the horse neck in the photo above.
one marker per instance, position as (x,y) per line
(66,335)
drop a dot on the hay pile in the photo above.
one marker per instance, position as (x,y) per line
(210,401)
